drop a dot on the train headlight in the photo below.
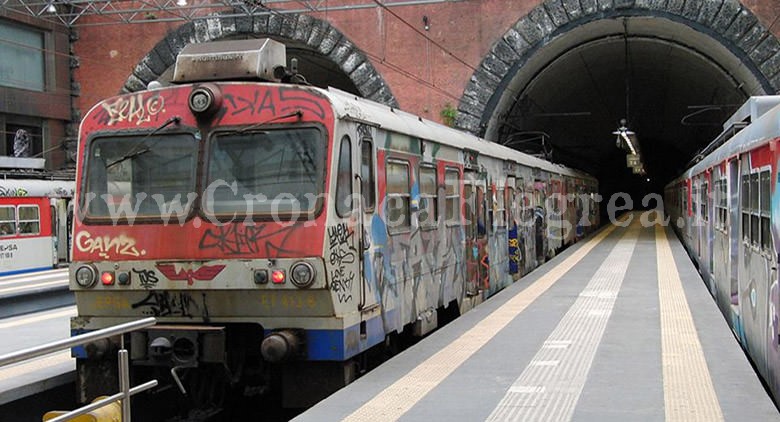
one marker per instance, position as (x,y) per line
(302,274)
(205,100)
(86,276)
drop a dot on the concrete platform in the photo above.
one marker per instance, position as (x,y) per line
(619,327)
(34,376)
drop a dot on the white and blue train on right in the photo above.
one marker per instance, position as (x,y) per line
(726,209)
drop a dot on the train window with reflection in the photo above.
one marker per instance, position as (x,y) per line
(452,195)
(344,179)
(429,210)
(704,200)
(7,221)
(754,208)
(745,195)
(368,184)
(398,212)
(29,219)
(766,197)
(498,204)
(140,176)
(277,173)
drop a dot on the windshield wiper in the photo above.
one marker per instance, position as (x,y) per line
(296,113)
(136,151)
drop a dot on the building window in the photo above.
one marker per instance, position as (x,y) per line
(22,51)
(22,140)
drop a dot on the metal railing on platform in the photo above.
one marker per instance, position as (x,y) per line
(125,392)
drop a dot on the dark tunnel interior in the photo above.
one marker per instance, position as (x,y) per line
(672,98)
(675,86)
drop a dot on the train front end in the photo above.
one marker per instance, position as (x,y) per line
(206,205)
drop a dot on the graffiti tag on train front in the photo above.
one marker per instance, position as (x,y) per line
(134,108)
(104,246)
(341,254)
(161,304)
(147,278)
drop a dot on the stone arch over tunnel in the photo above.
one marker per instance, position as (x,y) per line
(326,57)
(567,72)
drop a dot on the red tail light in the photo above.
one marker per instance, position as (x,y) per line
(277,276)
(107,277)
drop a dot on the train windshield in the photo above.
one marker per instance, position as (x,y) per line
(144,176)
(268,172)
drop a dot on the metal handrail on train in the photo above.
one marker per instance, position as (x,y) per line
(81,339)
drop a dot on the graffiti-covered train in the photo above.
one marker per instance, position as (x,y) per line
(35,222)
(724,208)
(279,231)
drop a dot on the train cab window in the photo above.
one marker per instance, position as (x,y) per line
(29,219)
(140,176)
(7,221)
(344,179)
(766,197)
(429,210)
(271,173)
(368,183)
(452,196)
(398,212)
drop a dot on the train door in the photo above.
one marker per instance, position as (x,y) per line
(367,194)
(540,218)
(735,237)
(476,231)
(705,240)
(695,219)
(755,264)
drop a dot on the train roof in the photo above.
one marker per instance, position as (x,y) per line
(761,129)
(34,187)
(350,106)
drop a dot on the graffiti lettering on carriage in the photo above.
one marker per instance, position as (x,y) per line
(274,102)
(341,253)
(147,278)
(131,108)
(339,235)
(161,304)
(236,239)
(104,246)
(341,256)
(341,283)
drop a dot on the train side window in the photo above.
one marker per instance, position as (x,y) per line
(398,212)
(766,195)
(429,210)
(452,196)
(500,215)
(29,219)
(704,200)
(7,221)
(509,201)
(368,184)
(754,208)
(344,179)
(745,195)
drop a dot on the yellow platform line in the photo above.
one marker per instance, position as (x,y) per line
(688,391)
(391,403)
